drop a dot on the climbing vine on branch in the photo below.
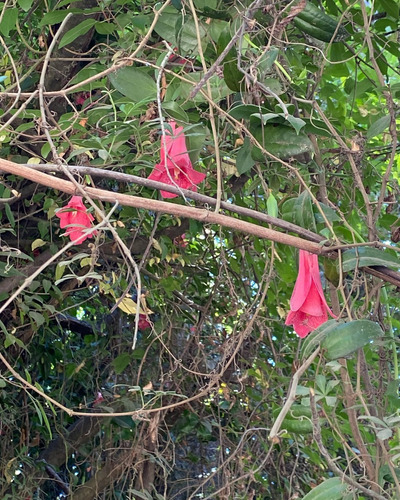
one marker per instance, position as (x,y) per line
(199,249)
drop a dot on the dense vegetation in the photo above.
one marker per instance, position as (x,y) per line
(144,351)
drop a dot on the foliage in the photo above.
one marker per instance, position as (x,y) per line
(152,360)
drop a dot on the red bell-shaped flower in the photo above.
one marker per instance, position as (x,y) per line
(76,219)
(308,307)
(175,167)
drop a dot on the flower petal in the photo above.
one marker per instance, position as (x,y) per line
(175,167)
(303,282)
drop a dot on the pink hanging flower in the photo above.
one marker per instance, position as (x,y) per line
(76,219)
(99,399)
(308,307)
(144,323)
(181,241)
(178,170)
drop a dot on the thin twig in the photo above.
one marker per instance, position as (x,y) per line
(80,188)
(170,50)
(31,277)
(17,82)
(291,397)
(391,109)
(247,16)
(211,108)
(324,452)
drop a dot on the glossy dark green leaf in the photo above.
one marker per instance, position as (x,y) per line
(314,339)
(346,338)
(280,141)
(232,75)
(245,111)
(366,256)
(175,111)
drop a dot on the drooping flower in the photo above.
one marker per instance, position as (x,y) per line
(308,307)
(181,241)
(99,399)
(76,219)
(175,167)
(144,323)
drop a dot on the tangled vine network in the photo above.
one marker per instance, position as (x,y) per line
(199,269)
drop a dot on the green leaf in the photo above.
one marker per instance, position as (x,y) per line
(316,127)
(10,215)
(124,422)
(6,270)
(134,83)
(195,138)
(300,211)
(314,339)
(329,213)
(345,338)
(3,327)
(391,7)
(25,4)
(143,495)
(245,111)
(60,269)
(384,434)
(76,32)
(121,362)
(175,111)
(296,123)
(281,141)
(244,161)
(378,127)
(366,256)
(232,75)
(47,284)
(272,206)
(179,32)
(37,244)
(11,340)
(268,59)
(40,412)
(104,28)
(219,90)
(202,4)
(332,489)
(298,420)
(54,17)
(37,318)
(266,117)
(9,21)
